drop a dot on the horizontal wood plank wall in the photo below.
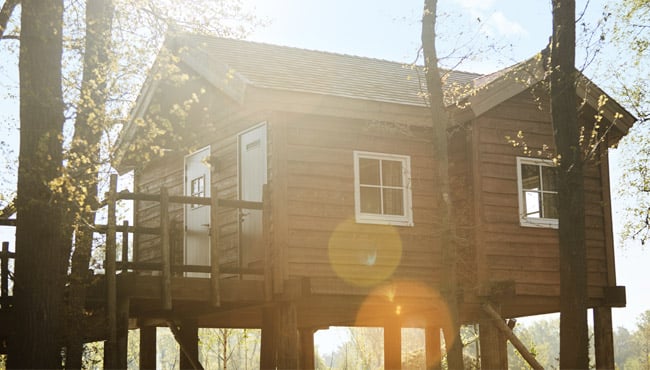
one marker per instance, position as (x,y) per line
(320,198)
(217,124)
(527,255)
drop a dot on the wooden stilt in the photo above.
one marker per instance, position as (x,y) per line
(187,346)
(189,335)
(122,340)
(432,348)
(268,355)
(393,345)
(288,343)
(147,347)
(494,349)
(498,321)
(307,349)
(604,338)
(110,346)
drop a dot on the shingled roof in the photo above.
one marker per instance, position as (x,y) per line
(287,68)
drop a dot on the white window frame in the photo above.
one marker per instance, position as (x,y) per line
(551,223)
(381,219)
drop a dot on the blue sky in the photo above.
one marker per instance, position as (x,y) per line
(390,29)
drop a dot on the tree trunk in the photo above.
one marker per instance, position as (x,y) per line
(440,121)
(41,242)
(83,162)
(574,340)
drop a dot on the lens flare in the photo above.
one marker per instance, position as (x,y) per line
(412,303)
(364,255)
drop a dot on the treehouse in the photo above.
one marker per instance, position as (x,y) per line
(292,190)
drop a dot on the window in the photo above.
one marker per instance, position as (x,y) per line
(382,188)
(538,198)
(197,188)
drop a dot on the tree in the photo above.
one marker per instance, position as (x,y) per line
(631,35)
(574,337)
(41,243)
(96,98)
(440,121)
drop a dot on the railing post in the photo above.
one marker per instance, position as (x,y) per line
(4,267)
(215,290)
(166,289)
(110,354)
(266,242)
(125,246)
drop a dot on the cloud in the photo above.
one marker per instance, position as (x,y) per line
(505,26)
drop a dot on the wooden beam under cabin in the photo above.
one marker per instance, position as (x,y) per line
(512,337)
(393,344)
(494,349)
(433,354)
(147,347)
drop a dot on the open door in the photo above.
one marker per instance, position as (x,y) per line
(197,217)
(252,177)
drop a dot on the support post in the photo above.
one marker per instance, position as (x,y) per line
(189,351)
(289,343)
(166,290)
(125,245)
(498,321)
(148,347)
(269,346)
(307,358)
(4,272)
(393,344)
(493,344)
(268,246)
(215,289)
(186,346)
(110,346)
(122,341)
(432,348)
(604,338)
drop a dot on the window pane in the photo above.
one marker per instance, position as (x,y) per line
(530,176)
(370,200)
(391,173)
(550,205)
(368,171)
(393,202)
(532,205)
(549,178)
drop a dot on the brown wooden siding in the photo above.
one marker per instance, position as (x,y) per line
(216,122)
(320,180)
(526,255)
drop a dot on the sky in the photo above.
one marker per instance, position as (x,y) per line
(508,31)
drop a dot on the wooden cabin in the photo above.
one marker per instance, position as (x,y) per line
(334,154)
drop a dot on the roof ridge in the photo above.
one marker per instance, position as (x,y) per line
(191,36)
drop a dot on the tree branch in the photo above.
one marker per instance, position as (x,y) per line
(5,14)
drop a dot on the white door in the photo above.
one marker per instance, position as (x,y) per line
(197,217)
(252,176)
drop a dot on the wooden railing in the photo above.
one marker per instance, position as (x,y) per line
(166,267)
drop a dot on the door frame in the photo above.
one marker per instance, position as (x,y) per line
(256,126)
(208,190)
